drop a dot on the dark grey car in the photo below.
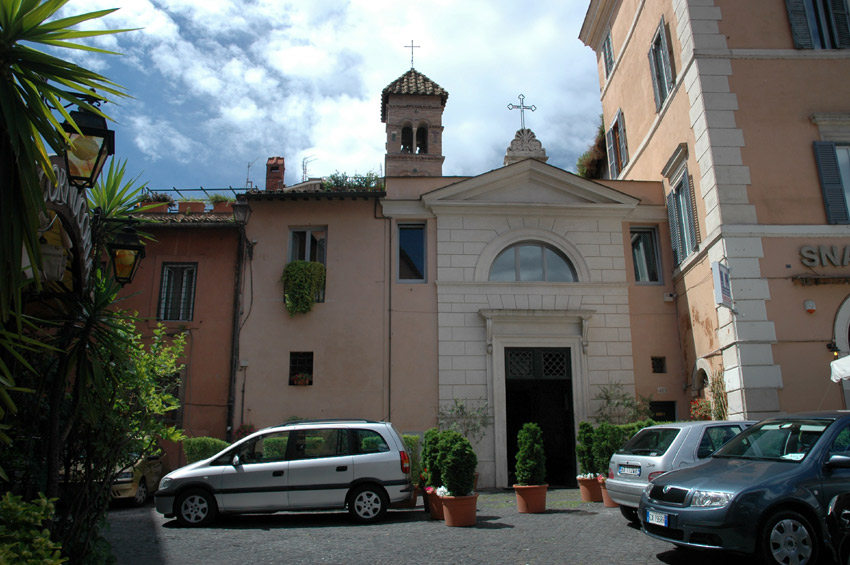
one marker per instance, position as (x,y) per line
(766,491)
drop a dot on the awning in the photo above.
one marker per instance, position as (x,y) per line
(840,369)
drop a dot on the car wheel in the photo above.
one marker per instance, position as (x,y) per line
(196,507)
(630,514)
(141,495)
(788,537)
(368,504)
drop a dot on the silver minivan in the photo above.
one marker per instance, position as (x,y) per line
(306,465)
(658,449)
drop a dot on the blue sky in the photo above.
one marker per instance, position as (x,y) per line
(217,85)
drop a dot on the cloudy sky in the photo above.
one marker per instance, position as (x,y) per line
(219,86)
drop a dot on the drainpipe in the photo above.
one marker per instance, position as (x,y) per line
(234,340)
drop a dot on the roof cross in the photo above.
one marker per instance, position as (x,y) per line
(521,107)
(411,47)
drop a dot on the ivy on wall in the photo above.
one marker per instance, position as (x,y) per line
(302,281)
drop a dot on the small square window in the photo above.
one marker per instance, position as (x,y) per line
(301,368)
(659,364)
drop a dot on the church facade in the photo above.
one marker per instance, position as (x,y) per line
(517,288)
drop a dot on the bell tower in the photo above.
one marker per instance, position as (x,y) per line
(412,107)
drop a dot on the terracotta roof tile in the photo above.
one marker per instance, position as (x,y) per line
(414,83)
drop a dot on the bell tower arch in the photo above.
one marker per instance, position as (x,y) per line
(412,107)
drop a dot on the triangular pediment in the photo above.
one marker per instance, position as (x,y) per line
(529,183)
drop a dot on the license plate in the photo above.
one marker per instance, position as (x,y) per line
(657,518)
(627,470)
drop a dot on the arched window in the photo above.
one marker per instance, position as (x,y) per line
(530,262)
(407,139)
(421,140)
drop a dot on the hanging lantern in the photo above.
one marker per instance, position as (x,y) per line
(87,154)
(126,253)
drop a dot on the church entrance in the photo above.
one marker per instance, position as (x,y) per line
(538,388)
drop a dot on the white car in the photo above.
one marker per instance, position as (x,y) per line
(302,465)
(658,449)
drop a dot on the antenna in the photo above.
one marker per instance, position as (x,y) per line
(248,183)
(304,161)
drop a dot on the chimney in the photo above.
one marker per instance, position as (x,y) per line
(274,173)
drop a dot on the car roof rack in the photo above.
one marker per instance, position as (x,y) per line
(331,421)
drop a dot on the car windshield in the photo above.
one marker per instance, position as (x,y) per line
(653,442)
(779,440)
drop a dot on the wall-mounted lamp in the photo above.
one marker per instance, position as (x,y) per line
(834,348)
(88,152)
(810,306)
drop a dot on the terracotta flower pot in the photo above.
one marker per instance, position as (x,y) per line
(531,499)
(460,511)
(590,489)
(222,207)
(190,207)
(159,207)
(606,499)
(435,506)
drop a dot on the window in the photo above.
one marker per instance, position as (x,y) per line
(680,210)
(659,364)
(309,244)
(301,368)
(177,293)
(268,448)
(615,141)
(660,66)
(407,139)
(369,441)
(315,444)
(645,255)
(607,55)
(819,24)
(411,253)
(421,140)
(833,162)
(529,262)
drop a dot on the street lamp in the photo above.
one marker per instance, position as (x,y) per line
(241,211)
(126,253)
(87,154)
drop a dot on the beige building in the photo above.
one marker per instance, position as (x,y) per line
(516,287)
(740,110)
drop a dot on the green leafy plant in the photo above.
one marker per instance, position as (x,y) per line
(412,447)
(457,462)
(302,282)
(433,477)
(159,197)
(200,448)
(530,456)
(23,535)
(341,182)
(244,430)
(471,422)
(595,446)
(719,403)
(618,406)
(584,448)
(591,164)
(218,198)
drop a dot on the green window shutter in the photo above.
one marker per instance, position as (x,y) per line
(830,182)
(672,218)
(841,19)
(612,153)
(690,211)
(653,72)
(799,24)
(665,57)
(621,126)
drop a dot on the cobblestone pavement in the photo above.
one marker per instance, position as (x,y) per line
(568,532)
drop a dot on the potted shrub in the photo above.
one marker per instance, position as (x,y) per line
(221,203)
(587,483)
(301,379)
(530,470)
(156,203)
(431,474)
(606,500)
(457,461)
(470,422)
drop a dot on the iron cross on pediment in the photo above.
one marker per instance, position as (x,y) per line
(521,107)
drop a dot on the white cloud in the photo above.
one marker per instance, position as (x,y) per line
(302,79)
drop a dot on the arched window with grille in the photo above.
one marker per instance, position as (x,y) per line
(532,262)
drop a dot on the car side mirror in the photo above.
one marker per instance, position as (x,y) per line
(838,462)
(235,462)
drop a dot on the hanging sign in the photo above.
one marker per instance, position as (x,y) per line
(722,284)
